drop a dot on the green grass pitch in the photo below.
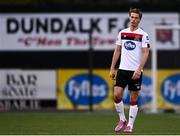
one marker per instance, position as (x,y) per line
(84,123)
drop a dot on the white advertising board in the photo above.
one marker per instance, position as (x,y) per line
(27,84)
(69,31)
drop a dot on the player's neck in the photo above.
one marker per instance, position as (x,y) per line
(133,28)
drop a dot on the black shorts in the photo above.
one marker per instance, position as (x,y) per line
(124,77)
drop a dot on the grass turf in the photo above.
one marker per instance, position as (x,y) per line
(84,123)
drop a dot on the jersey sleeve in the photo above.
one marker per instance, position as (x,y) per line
(118,39)
(145,41)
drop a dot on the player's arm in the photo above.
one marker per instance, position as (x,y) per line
(116,55)
(145,54)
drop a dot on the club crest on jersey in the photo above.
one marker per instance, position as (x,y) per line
(129,45)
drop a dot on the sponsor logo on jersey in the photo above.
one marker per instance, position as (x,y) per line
(170,89)
(129,45)
(145,95)
(78,89)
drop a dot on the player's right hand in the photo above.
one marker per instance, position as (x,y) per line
(112,74)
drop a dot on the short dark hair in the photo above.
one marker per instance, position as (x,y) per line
(135,10)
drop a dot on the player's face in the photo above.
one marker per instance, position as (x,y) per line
(134,19)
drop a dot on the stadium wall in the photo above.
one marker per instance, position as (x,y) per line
(52,59)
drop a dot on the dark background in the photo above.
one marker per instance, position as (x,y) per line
(80,59)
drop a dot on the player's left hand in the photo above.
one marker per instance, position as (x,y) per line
(136,74)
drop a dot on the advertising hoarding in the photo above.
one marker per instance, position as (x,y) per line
(27,89)
(70,31)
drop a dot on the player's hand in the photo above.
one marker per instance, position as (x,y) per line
(112,74)
(136,74)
